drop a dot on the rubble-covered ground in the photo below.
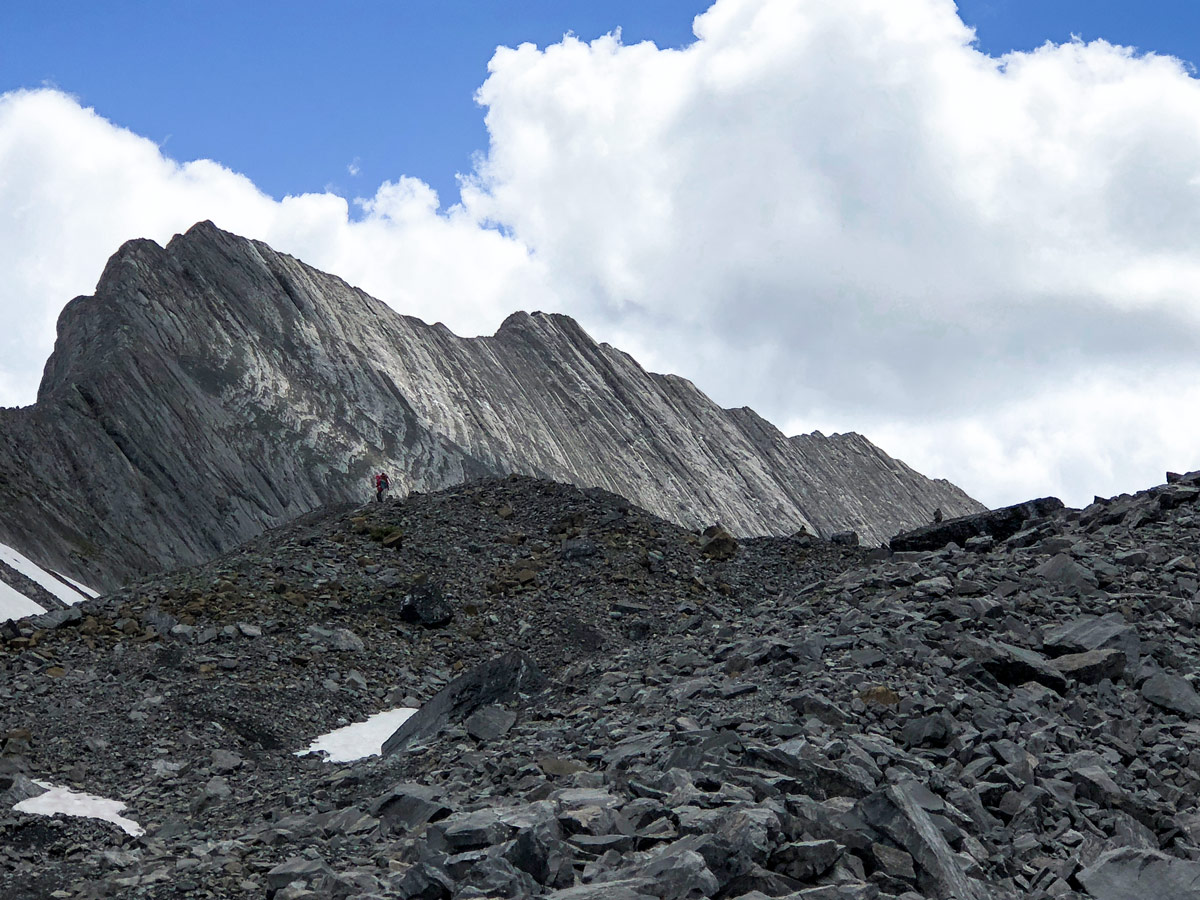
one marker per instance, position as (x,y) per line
(618,708)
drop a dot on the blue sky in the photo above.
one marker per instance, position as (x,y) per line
(293,93)
(1164,26)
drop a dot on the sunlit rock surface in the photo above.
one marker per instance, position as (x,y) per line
(215,388)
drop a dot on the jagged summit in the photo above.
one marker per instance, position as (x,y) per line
(214,387)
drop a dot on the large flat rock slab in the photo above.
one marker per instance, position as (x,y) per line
(998,524)
(500,680)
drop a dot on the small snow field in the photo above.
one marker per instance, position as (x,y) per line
(360,740)
(75,803)
(82,588)
(15,605)
(63,588)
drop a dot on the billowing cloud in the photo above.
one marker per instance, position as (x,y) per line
(842,214)
(846,215)
(74,187)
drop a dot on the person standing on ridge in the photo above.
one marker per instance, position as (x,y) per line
(381,487)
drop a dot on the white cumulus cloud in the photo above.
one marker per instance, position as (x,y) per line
(842,214)
(848,216)
(74,187)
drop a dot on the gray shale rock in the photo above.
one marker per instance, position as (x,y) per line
(490,722)
(1086,633)
(1173,693)
(500,680)
(892,745)
(998,524)
(1126,874)
(1015,665)
(625,889)
(407,807)
(806,860)
(1091,667)
(424,605)
(296,869)
(898,813)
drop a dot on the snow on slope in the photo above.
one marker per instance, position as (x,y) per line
(75,803)
(67,591)
(360,740)
(79,586)
(14,605)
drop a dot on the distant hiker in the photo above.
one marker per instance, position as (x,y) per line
(381,487)
(937,515)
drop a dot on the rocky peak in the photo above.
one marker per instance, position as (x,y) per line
(215,387)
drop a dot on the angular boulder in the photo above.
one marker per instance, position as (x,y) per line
(998,524)
(1091,667)
(407,807)
(500,680)
(897,812)
(1065,572)
(490,722)
(1015,665)
(717,543)
(425,606)
(1172,693)
(1093,633)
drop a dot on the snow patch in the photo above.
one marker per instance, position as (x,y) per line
(64,589)
(76,803)
(360,740)
(79,586)
(15,605)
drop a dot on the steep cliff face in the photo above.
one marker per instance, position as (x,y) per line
(215,388)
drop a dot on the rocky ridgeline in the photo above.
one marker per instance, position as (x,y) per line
(615,707)
(215,388)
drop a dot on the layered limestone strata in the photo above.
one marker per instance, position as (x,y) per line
(216,388)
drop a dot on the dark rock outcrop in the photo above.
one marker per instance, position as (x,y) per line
(500,680)
(997,524)
(216,388)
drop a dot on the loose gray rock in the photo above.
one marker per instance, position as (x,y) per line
(806,860)
(407,807)
(490,722)
(296,869)
(1063,570)
(501,680)
(1173,693)
(897,812)
(1126,873)
(1015,665)
(1091,667)
(998,524)
(424,605)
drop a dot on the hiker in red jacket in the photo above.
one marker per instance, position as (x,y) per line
(381,486)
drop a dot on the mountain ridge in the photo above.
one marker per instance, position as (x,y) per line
(214,387)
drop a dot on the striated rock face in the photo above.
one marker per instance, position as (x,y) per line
(215,388)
